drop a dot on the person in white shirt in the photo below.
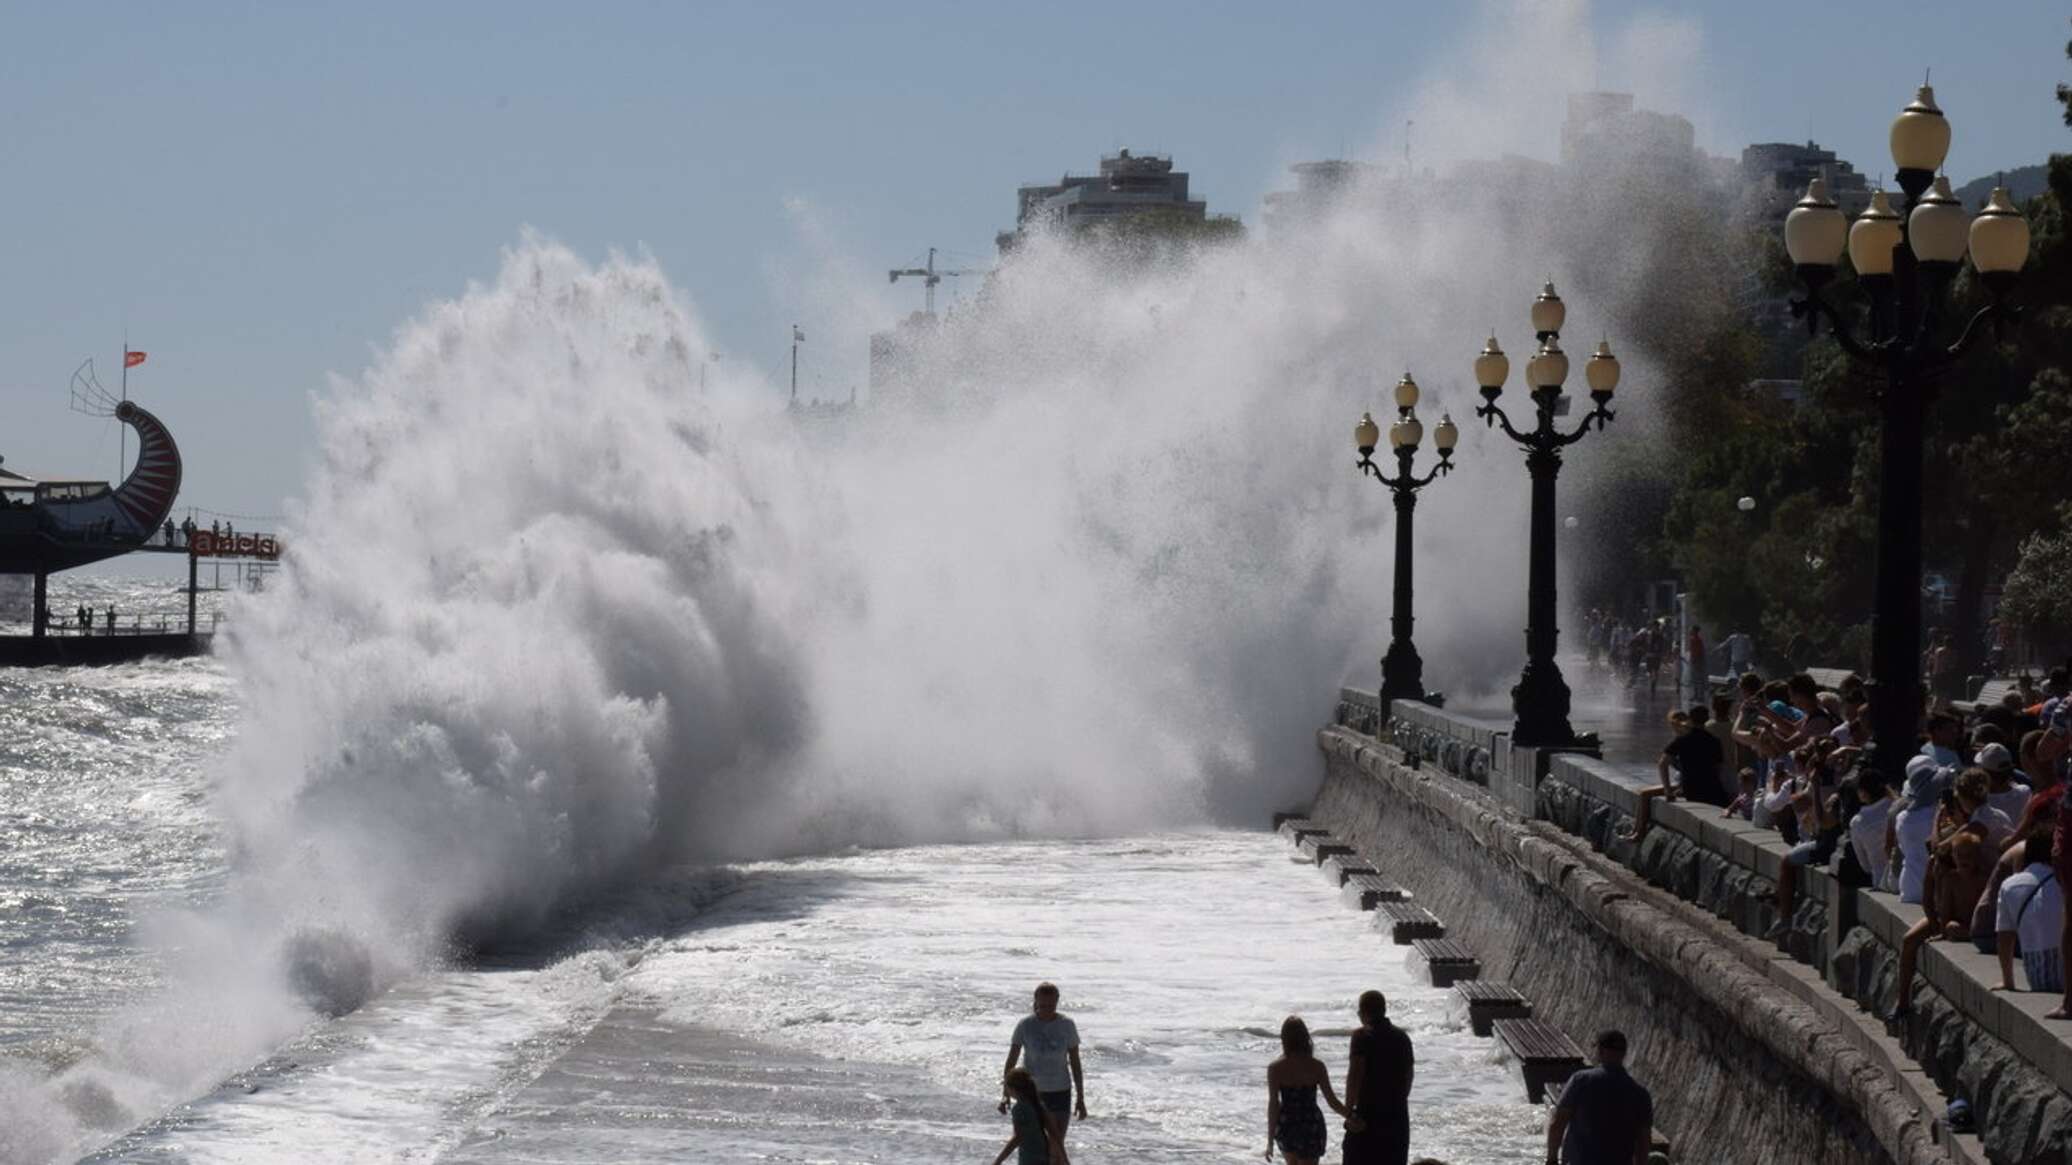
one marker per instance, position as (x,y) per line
(1914,823)
(1870,828)
(1052,1043)
(1994,828)
(2030,920)
(2003,791)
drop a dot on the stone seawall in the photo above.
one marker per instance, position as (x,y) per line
(1533,838)
(1990,1047)
(1743,1067)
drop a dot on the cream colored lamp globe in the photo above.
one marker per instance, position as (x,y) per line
(1815,231)
(1406,433)
(1602,369)
(1548,366)
(1999,236)
(1920,134)
(1939,228)
(1366,434)
(1492,367)
(1873,236)
(1746,504)
(1548,311)
(1447,435)
(1406,392)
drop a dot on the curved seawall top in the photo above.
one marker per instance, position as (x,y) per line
(1755,1053)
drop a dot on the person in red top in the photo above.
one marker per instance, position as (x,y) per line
(2045,792)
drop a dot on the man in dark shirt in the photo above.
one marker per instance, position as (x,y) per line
(1604,1116)
(1378,1084)
(1698,755)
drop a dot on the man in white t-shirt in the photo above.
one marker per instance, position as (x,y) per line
(1868,829)
(1052,1044)
(2030,914)
(2006,794)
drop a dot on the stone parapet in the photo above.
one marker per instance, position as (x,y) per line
(1765,1067)
(1695,902)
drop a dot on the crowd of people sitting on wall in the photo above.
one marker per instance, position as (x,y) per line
(1973,831)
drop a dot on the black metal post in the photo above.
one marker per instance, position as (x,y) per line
(1895,687)
(1402,671)
(39,617)
(1540,699)
(193,582)
(1903,323)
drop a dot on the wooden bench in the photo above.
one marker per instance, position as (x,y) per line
(1343,867)
(1830,678)
(1366,891)
(1988,696)
(1293,828)
(1321,848)
(1544,1054)
(1487,1001)
(1407,923)
(1447,961)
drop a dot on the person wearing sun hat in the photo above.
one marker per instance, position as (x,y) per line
(1914,823)
(2005,793)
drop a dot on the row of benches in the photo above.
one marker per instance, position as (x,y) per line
(1544,1054)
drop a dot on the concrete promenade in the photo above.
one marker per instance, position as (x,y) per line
(639,1087)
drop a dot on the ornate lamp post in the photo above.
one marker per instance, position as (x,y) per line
(1904,261)
(1540,699)
(1402,671)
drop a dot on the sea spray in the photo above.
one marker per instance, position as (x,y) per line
(555,623)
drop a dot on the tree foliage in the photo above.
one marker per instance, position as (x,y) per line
(1999,441)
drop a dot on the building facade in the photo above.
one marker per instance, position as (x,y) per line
(1127,184)
(1777,172)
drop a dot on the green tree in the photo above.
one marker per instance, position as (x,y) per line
(2038,595)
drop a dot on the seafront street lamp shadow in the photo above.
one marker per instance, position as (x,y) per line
(1402,671)
(1540,700)
(1905,261)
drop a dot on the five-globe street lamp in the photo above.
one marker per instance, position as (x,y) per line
(1402,671)
(1540,699)
(1904,260)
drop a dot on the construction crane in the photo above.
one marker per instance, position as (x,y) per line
(930,277)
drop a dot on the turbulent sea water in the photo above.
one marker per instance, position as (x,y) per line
(621,771)
(845,1007)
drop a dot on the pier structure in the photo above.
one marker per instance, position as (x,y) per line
(48,526)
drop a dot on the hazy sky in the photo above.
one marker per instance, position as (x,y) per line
(258,194)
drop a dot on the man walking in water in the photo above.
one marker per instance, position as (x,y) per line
(1604,1116)
(1378,1084)
(1052,1042)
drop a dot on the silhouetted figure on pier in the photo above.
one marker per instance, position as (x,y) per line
(1293,1120)
(1604,1116)
(1377,1081)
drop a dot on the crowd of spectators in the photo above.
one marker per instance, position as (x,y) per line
(1972,833)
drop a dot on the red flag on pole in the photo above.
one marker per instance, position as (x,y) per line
(132,359)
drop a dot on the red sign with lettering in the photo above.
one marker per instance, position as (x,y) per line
(203,544)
